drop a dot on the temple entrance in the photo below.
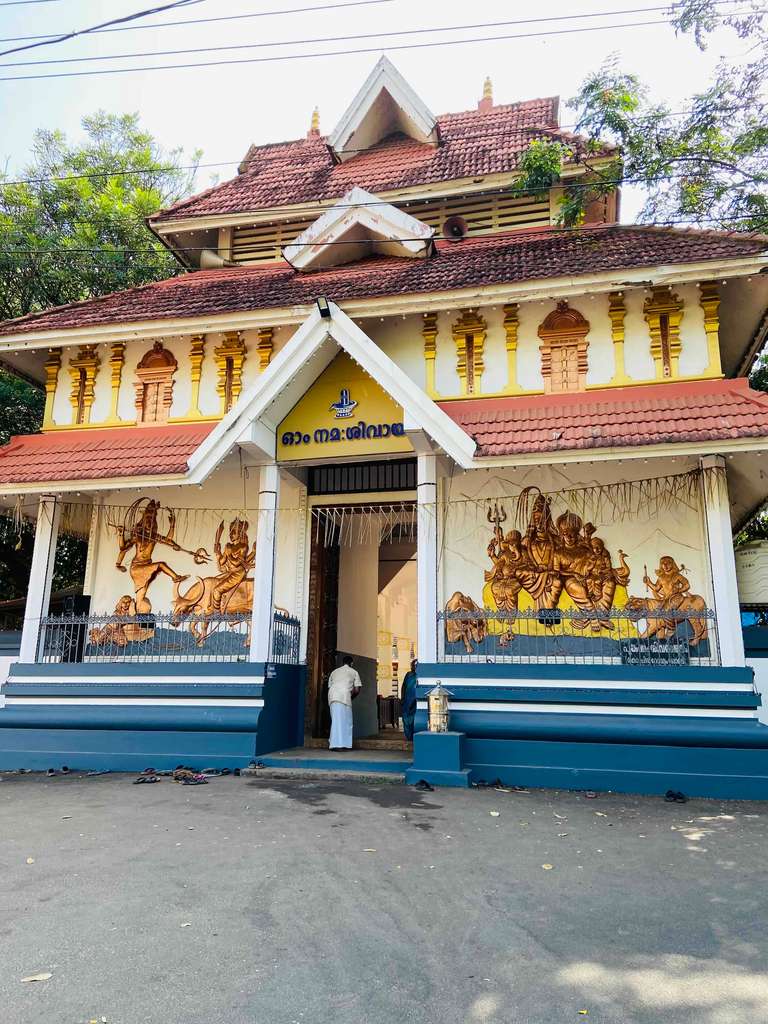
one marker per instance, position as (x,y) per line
(362,601)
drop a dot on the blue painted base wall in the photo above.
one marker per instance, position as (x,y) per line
(67,719)
(688,729)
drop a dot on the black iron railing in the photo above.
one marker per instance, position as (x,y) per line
(616,637)
(160,637)
(286,636)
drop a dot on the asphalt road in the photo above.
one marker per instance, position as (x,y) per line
(294,902)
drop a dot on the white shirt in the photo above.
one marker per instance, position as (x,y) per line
(341,682)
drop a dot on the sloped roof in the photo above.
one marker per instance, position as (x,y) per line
(524,255)
(710,410)
(472,143)
(69,455)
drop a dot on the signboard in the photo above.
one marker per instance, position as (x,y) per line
(651,651)
(345,414)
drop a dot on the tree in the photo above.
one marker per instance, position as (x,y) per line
(705,165)
(74,228)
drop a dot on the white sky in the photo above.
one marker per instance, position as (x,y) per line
(221,110)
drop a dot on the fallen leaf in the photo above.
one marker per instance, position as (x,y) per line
(30,860)
(547,867)
(584,1013)
(561,835)
(562,817)
(66,817)
(495,814)
(39,977)
(600,814)
(369,850)
(186,924)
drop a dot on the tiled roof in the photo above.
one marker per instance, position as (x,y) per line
(713,410)
(100,454)
(524,255)
(472,144)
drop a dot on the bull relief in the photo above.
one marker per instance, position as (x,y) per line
(554,588)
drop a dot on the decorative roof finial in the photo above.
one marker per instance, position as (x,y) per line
(486,103)
(314,127)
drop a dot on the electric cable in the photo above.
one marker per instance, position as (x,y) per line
(114,21)
(293,42)
(276,58)
(360,3)
(235,17)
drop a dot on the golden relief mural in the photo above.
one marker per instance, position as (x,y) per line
(559,572)
(210,601)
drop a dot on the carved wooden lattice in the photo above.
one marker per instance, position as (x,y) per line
(154,385)
(563,349)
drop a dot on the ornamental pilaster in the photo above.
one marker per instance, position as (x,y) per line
(663,312)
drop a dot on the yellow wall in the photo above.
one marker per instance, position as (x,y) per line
(316,429)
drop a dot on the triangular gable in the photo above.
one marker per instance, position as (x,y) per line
(345,414)
(253,422)
(355,227)
(385,104)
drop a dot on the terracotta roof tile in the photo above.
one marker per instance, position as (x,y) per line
(70,455)
(304,170)
(714,410)
(524,255)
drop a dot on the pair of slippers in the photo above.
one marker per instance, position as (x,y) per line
(674,796)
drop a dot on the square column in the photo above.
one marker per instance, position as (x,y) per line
(264,566)
(426,555)
(40,576)
(717,521)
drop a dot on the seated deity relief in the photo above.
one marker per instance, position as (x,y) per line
(561,563)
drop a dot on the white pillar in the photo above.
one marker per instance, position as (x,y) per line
(717,521)
(426,556)
(264,567)
(40,575)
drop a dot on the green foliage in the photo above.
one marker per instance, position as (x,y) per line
(22,406)
(758,378)
(94,207)
(707,165)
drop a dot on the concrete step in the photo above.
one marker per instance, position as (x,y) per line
(319,773)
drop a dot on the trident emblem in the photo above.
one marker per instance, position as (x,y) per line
(497,515)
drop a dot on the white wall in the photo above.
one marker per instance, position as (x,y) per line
(676,531)
(200,509)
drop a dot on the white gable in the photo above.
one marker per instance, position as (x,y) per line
(253,422)
(358,225)
(385,104)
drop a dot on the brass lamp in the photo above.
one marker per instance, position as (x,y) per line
(437,702)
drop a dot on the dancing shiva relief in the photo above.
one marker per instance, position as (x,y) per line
(559,577)
(209,601)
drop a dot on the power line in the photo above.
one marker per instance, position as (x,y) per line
(26,3)
(330,53)
(90,252)
(320,39)
(233,17)
(114,21)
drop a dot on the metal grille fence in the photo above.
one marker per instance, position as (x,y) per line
(661,637)
(159,637)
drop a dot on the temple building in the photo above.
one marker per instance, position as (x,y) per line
(391,408)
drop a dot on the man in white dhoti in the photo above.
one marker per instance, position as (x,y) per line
(344,684)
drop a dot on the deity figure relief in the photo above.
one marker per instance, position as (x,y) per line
(234,561)
(228,593)
(118,631)
(549,559)
(672,604)
(143,534)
